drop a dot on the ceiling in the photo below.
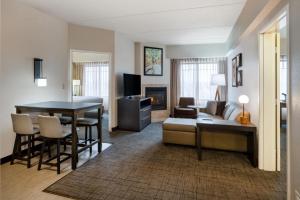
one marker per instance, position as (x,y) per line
(161,21)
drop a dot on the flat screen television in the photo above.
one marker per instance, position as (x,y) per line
(132,84)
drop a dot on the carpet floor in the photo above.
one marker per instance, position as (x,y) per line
(139,166)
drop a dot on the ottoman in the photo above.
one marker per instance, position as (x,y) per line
(179,131)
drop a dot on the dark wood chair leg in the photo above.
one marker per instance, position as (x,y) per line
(17,141)
(58,156)
(90,139)
(49,149)
(19,151)
(32,145)
(41,154)
(29,152)
(65,144)
(85,135)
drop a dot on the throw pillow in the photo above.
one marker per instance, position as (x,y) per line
(212,107)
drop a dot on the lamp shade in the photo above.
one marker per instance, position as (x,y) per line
(244,99)
(218,79)
(76,82)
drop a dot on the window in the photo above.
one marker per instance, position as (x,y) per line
(195,76)
(95,78)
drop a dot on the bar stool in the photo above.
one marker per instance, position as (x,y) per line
(51,130)
(23,127)
(88,124)
(85,122)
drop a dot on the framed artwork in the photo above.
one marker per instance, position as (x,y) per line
(239,60)
(234,72)
(240,78)
(153,61)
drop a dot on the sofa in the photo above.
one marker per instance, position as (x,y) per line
(183,131)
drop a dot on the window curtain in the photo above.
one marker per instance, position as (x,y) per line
(222,69)
(175,84)
(193,77)
(95,80)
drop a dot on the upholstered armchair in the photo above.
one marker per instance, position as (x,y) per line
(183,111)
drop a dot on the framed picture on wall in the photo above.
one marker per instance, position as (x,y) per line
(153,61)
(234,72)
(240,78)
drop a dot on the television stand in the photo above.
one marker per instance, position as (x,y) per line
(134,113)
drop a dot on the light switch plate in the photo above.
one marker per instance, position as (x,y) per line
(297,195)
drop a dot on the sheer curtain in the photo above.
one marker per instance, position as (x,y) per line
(96,80)
(195,77)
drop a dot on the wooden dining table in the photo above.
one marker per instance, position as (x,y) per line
(71,109)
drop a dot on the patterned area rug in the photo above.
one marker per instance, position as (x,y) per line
(139,166)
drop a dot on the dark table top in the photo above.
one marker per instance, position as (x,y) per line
(57,105)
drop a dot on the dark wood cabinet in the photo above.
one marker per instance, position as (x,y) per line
(134,113)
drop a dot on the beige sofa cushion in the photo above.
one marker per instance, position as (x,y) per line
(180,124)
(235,113)
(202,115)
(228,110)
(179,137)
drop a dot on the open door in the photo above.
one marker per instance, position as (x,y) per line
(270,99)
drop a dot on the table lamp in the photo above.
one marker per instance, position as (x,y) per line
(76,83)
(244,99)
(218,80)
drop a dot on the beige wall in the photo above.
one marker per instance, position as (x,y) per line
(295,96)
(91,39)
(28,33)
(124,63)
(154,80)
(124,59)
(196,51)
(248,45)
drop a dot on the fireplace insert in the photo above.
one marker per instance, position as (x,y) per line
(158,97)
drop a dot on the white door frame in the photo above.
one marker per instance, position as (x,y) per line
(268,102)
(263,157)
(110,82)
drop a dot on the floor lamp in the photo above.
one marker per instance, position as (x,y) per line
(219,81)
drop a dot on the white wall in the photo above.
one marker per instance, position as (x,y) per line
(248,45)
(196,51)
(28,33)
(124,63)
(295,96)
(154,80)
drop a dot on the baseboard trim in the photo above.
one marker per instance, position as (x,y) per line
(7,159)
(115,128)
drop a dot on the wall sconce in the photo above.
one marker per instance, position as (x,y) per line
(39,80)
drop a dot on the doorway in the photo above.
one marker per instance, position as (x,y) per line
(274,95)
(91,81)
